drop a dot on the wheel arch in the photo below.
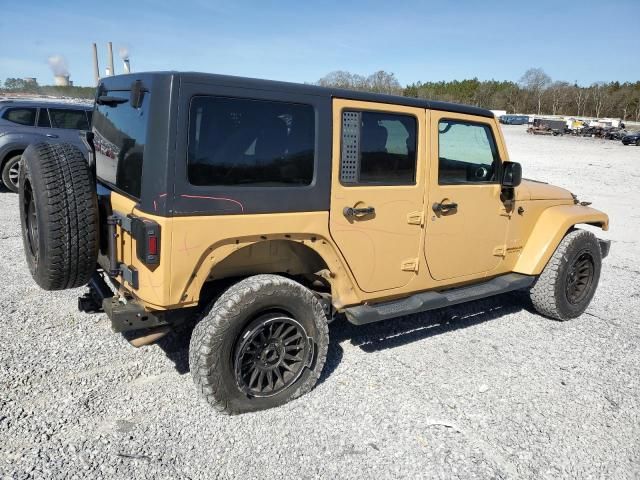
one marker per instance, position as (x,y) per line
(309,260)
(551,227)
(10,153)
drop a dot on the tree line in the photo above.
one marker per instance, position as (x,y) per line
(535,92)
(20,85)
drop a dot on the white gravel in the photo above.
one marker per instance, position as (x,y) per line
(485,390)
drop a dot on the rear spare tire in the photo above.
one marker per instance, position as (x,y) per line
(59,215)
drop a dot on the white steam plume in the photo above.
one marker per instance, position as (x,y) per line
(59,65)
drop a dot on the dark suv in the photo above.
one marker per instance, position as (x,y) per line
(23,122)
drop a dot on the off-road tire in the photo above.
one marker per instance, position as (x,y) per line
(216,337)
(549,294)
(6,173)
(60,229)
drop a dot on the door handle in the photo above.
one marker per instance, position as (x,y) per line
(351,212)
(444,207)
(51,135)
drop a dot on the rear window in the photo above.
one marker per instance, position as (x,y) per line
(71,119)
(243,142)
(120,133)
(21,116)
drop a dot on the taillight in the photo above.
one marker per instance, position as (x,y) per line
(152,246)
(147,236)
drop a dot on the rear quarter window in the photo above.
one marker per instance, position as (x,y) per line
(20,116)
(120,135)
(250,143)
(70,119)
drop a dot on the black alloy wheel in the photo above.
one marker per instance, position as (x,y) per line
(271,354)
(579,278)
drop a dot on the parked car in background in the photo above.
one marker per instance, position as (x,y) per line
(23,122)
(632,138)
(514,119)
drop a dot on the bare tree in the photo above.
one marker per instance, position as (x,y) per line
(536,81)
(580,96)
(599,96)
(379,82)
(384,82)
(558,93)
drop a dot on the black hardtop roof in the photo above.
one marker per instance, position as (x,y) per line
(123,81)
(35,103)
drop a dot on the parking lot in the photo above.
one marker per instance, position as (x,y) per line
(484,390)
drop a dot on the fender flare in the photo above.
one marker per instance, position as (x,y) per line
(551,227)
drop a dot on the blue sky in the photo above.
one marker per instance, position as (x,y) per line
(301,40)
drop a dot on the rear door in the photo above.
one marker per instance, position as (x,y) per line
(377,191)
(467,227)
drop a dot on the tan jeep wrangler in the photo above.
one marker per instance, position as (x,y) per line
(257,210)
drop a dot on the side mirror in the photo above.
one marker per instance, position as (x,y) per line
(511,174)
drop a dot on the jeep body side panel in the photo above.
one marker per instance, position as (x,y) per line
(550,227)
(192,248)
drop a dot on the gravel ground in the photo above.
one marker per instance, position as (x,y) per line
(485,390)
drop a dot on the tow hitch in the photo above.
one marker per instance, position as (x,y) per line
(91,301)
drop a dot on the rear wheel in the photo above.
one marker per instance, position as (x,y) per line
(11,173)
(568,282)
(263,344)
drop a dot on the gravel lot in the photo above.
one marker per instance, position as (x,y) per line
(485,390)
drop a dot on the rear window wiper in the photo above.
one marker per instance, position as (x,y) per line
(109,100)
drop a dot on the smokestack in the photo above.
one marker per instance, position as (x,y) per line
(96,67)
(127,67)
(110,55)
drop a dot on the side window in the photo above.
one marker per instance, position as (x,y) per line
(467,153)
(255,143)
(378,148)
(21,116)
(43,118)
(72,119)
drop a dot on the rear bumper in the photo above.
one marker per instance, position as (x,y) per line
(605,246)
(130,316)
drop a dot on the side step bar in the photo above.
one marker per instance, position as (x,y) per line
(421,302)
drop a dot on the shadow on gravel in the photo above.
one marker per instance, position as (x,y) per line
(401,331)
(381,335)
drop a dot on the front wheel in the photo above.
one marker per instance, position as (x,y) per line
(568,282)
(263,343)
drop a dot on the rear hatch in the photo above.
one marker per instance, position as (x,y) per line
(119,128)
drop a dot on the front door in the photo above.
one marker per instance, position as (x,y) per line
(467,222)
(377,193)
